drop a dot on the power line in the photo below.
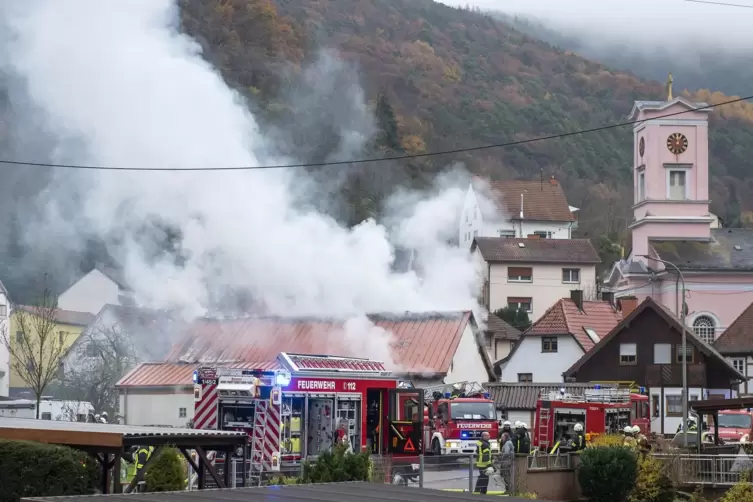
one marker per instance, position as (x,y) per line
(723,4)
(379,159)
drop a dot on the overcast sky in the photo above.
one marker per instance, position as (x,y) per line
(645,22)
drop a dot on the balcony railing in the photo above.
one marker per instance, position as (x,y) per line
(671,374)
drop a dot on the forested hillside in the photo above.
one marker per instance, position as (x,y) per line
(436,78)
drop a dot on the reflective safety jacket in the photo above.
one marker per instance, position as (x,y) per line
(580,442)
(484,454)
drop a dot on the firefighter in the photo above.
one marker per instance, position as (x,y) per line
(691,426)
(103,418)
(629,439)
(580,440)
(522,441)
(506,427)
(483,463)
(643,444)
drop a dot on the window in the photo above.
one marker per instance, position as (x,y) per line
(475,233)
(655,405)
(46,416)
(674,406)
(628,353)
(519,274)
(520,304)
(677,185)
(662,353)
(61,370)
(19,336)
(571,275)
(91,349)
(3,310)
(542,234)
(641,186)
(690,353)
(739,364)
(548,344)
(705,328)
(61,337)
(592,334)
(525,377)
(81,417)
(181,413)
(509,234)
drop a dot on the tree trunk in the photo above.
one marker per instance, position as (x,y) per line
(39,401)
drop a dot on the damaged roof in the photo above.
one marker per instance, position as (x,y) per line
(420,343)
(729,249)
(542,200)
(501,329)
(502,249)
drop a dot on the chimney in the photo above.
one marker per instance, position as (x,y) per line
(534,236)
(521,206)
(607,296)
(576,295)
(627,305)
(553,181)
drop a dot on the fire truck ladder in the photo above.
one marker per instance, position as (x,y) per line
(543,428)
(257,443)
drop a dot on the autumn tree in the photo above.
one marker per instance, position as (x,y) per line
(36,348)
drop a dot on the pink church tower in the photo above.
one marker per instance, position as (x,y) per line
(670,172)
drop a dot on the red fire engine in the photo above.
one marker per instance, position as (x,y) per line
(306,404)
(455,417)
(600,410)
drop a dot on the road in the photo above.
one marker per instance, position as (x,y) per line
(450,474)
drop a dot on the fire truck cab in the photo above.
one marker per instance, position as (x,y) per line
(600,410)
(455,416)
(307,404)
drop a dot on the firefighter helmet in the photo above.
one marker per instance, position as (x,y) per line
(578,428)
(489,471)
(523,425)
(636,429)
(507,424)
(628,430)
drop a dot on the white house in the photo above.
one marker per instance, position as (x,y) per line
(4,354)
(516,208)
(162,393)
(569,329)
(101,286)
(736,344)
(532,274)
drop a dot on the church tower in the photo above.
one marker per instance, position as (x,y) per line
(670,171)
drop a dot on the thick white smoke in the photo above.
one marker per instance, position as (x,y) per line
(119,80)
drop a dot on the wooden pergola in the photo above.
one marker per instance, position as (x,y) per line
(107,443)
(713,407)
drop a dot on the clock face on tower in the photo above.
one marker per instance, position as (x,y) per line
(677,143)
(641,146)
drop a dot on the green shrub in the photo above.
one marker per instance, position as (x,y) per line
(600,440)
(607,474)
(653,483)
(741,492)
(337,466)
(166,473)
(29,469)
(283,480)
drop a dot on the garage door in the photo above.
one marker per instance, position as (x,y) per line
(520,416)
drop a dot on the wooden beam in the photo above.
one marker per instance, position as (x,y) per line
(63,437)
(210,468)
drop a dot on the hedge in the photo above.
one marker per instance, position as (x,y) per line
(40,470)
(337,466)
(608,474)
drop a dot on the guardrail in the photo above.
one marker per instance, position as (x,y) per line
(706,470)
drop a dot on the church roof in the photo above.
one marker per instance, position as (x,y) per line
(729,249)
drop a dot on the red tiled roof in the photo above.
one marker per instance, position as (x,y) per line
(541,201)
(501,249)
(738,337)
(311,362)
(564,317)
(68,317)
(173,374)
(421,343)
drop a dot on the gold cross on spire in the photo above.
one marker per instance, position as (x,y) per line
(669,87)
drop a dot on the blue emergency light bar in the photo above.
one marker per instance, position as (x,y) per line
(464,434)
(642,390)
(597,387)
(448,395)
(486,395)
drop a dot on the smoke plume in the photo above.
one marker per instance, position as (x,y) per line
(121,86)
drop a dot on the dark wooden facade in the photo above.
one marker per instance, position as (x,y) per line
(646,326)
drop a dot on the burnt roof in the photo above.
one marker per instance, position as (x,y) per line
(500,328)
(523,396)
(650,303)
(728,249)
(738,337)
(502,249)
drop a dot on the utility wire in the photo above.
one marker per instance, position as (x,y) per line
(377,159)
(723,4)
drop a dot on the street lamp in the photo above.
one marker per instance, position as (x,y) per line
(684,348)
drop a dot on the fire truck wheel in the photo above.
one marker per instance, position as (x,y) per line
(436,449)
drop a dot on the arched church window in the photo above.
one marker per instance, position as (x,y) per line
(704,328)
